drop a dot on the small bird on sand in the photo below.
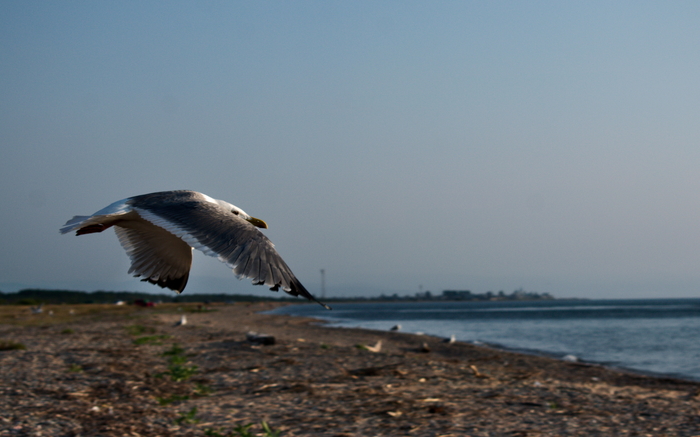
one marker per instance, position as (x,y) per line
(158,231)
(182,321)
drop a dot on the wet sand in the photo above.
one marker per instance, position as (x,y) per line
(114,372)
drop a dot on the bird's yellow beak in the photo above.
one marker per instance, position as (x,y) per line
(257,222)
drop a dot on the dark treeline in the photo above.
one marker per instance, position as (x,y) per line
(32,296)
(39,296)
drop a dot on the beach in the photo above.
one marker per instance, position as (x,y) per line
(91,370)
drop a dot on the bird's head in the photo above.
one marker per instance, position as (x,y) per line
(242,214)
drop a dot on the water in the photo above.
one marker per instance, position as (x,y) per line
(659,336)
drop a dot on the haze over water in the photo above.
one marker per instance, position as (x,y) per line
(657,336)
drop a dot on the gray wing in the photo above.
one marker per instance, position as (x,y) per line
(156,255)
(217,232)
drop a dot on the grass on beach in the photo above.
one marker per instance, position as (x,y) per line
(22,315)
(90,376)
(8,345)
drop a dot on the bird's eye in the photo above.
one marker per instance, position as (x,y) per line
(234,211)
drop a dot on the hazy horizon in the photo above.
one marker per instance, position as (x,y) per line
(400,146)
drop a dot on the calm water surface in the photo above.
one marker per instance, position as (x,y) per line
(659,336)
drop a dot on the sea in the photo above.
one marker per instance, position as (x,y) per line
(651,336)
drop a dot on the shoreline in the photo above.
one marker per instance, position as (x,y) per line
(497,347)
(101,379)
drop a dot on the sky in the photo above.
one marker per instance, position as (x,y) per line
(400,146)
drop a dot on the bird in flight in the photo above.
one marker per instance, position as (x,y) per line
(159,231)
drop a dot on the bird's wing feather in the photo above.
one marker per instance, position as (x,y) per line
(157,230)
(71,224)
(105,217)
(156,255)
(219,233)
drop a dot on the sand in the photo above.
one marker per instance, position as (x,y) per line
(128,371)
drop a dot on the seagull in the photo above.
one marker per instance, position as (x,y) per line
(159,231)
(451,339)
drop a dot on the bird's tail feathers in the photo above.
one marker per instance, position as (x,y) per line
(74,223)
(82,224)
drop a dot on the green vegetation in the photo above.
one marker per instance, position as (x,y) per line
(268,431)
(38,296)
(67,331)
(151,339)
(33,296)
(203,390)
(145,339)
(242,430)
(6,345)
(139,330)
(75,368)
(61,315)
(178,370)
(211,432)
(170,399)
(175,351)
(188,417)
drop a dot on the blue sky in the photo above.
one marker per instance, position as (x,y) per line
(552,146)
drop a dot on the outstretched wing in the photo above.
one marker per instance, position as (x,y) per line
(159,230)
(208,227)
(156,255)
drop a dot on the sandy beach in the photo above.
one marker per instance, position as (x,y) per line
(95,370)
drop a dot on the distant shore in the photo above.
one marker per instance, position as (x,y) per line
(33,296)
(110,373)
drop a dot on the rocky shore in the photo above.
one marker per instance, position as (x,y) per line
(93,370)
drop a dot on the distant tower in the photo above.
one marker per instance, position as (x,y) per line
(323,283)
